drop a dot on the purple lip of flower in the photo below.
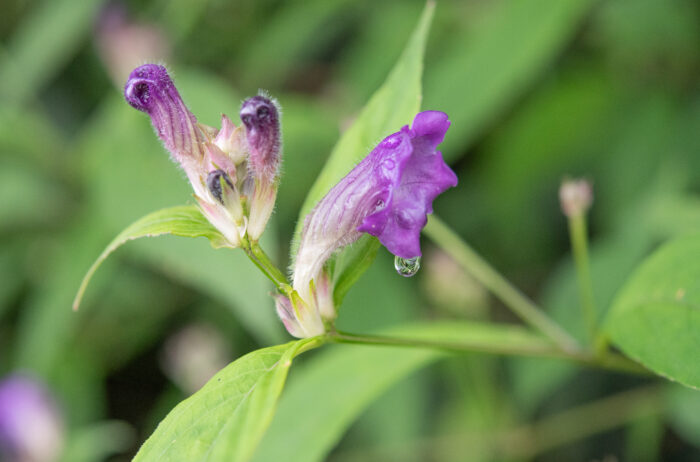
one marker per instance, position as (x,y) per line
(388,195)
(407,196)
(150,89)
(260,115)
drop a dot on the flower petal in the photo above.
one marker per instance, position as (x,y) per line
(422,177)
(150,89)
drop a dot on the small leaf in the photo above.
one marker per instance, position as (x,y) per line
(186,221)
(225,420)
(655,318)
(346,379)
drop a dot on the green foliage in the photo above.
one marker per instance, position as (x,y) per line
(225,420)
(346,379)
(535,90)
(185,221)
(655,317)
(392,105)
(485,69)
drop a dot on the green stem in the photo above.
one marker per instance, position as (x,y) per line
(579,243)
(537,349)
(585,420)
(530,440)
(258,256)
(451,243)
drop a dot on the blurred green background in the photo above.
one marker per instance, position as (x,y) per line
(537,90)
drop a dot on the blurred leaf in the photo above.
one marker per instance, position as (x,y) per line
(47,323)
(309,132)
(351,264)
(484,70)
(98,441)
(185,221)
(44,42)
(293,32)
(382,32)
(345,380)
(30,199)
(10,278)
(225,420)
(650,37)
(656,315)
(557,131)
(683,412)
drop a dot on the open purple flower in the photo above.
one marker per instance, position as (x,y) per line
(409,174)
(388,195)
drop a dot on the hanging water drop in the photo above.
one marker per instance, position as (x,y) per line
(407,267)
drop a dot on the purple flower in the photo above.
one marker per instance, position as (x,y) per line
(408,174)
(388,195)
(234,170)
(30,423)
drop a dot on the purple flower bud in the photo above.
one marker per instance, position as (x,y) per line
(30,423)
(260,115)
(388,195)
(150,89)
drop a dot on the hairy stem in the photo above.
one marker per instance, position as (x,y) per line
(258,256)
(536,349)
(451,243)
(530,440)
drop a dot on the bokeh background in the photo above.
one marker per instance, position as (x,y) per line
(537,90)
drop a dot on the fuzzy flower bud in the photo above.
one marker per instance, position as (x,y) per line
(31,427)
(388,195)
(575,197)
(150,90)
(260,115)
(233,171)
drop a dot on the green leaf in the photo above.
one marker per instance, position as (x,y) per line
(351,264)
(655,318)
(44,42)
(487,66)
(683,412)
(393,105)
(345,380)
(225,420)
(186,221)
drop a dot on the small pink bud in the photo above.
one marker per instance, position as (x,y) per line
(575,197)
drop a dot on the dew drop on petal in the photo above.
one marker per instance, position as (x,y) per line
(407,267)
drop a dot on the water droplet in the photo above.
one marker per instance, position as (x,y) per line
(407,267)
